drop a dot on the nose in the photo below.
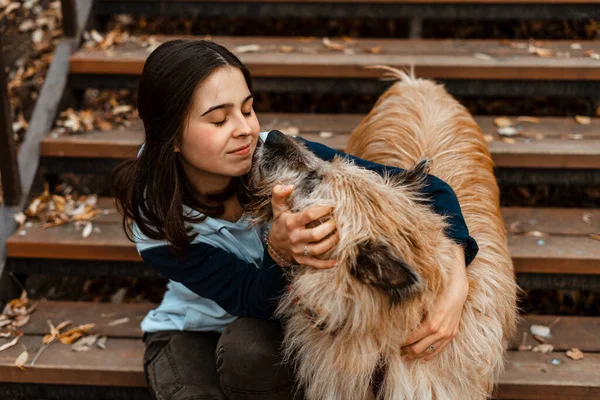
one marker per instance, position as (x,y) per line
(242,126)
(276,139)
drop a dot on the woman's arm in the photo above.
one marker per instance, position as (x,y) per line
(443,198)
(238,287)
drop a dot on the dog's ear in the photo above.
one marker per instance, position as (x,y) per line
(416,174)
(378,266)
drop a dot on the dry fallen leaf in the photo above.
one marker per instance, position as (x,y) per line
(488,138)
(249,48)
(85,343)
(592,54)
(574,354)
(332,46)
(10,344)
(326,135)
(507,131)
(587,218)
(22,359)
(502,121)
(541,330)
(535,234)
(541,52)
(286,49)
(583,120)
(508,140)
(20,218)
(543,348)
(119,321)
(87,230)
(595,236)
(483,56)
(373,50)
(532,120)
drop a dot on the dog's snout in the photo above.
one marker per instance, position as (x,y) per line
(276,139)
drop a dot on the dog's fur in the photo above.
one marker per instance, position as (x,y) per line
(344,323)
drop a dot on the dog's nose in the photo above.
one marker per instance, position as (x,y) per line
(276,139)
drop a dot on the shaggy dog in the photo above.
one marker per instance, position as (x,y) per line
(345,323)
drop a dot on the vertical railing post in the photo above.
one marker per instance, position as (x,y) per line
(9,168)
(69,12)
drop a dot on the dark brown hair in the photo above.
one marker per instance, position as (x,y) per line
(151,189)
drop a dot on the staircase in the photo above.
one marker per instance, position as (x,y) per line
(553,150)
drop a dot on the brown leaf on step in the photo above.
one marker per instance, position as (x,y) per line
(592,54)
(525,347)
(574,354)
(574,136)
(373,50)
(103,125)
(286,49)
(583,120)
(63,324)
(532,120)
(488,138)
(21,320)
(21,360)
(332,46)
(543,348)
(541,52)
(347,39)
(508,140)
(75,333)
(502,121)
(10,344)
(514,227)
(539,338)
(535,234)
(587,218)
(595,236)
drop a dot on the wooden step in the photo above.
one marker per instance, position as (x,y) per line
(440,59)
(528,375)
(567,248)
(554,150)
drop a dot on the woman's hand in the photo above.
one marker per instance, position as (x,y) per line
(290,236)
(439,328)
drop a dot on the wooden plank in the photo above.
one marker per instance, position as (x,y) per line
(527,376)
(83,312)
(433,58)
(555,254)
(567,332)
(554,151)
(569,251)
(65,242)
(120,364)
(531,376)
(552,221)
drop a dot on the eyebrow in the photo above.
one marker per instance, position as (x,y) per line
(227,105)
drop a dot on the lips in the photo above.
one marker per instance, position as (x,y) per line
(241,148)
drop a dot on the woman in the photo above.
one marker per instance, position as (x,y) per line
(185,196)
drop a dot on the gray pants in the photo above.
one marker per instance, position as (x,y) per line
(242,363)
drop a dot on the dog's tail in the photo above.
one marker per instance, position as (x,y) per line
(396,74)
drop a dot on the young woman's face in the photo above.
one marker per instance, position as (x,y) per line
(222,128)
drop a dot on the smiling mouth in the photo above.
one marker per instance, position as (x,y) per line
(241,148)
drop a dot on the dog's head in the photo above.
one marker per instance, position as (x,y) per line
(388,235)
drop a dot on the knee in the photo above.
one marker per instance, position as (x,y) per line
(248,359)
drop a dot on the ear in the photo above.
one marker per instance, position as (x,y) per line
(376,265)
(416,174)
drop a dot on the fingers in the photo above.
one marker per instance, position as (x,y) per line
(279,198)
(324,246)
(312,214)
(439,346)
(421,348)
(300,237)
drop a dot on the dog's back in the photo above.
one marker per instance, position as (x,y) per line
(418,119)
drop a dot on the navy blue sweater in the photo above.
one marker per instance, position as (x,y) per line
(241,289)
